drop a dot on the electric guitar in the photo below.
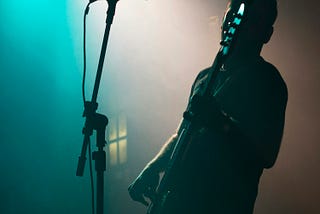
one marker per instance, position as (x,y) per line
(165,193)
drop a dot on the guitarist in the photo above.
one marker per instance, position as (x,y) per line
(240,126)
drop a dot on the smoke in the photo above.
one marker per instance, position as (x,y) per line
(156,48)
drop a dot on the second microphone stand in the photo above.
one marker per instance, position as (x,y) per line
(97,122)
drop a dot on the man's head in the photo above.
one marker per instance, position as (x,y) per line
(258,24)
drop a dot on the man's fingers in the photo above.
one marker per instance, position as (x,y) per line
(136,196)
(144,202)
(141,199)
(141,189)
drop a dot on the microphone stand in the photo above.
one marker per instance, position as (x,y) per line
(97,122)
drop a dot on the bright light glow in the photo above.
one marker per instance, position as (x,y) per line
(112,130)
(225,50)
(232,30)
(156,49)
(117,135)
(122,126)
(113,151)
(241,9)
(237,21)
(123,151)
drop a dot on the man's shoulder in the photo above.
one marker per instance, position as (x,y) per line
(203,73)
(269,70)
(264,73)
(272,75)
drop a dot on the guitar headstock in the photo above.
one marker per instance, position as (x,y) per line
(231,31)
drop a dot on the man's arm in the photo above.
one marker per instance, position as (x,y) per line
(160,161)
(148,179)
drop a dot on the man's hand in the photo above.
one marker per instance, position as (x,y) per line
(144,186)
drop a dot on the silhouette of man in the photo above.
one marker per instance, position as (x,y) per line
(240,126)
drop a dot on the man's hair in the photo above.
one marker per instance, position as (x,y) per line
(267,10)
(272,13)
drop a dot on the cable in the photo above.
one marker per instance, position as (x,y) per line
(84,52)
(91,178)
(84,98)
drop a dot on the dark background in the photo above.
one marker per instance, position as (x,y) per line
(156,48)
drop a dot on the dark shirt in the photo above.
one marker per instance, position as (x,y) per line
(222,171)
